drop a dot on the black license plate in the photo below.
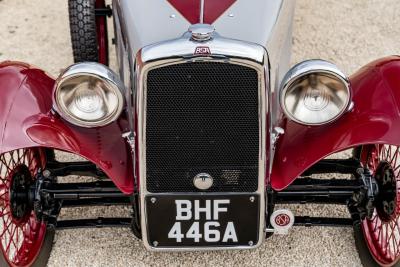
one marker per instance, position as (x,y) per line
(202,220)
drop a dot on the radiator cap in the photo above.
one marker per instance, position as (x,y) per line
(201,32)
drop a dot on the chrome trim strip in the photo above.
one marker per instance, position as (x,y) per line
(182,51)
(201,11)
(219,47)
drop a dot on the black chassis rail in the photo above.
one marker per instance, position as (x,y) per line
(55,196)
(106,11)
(354,193)
(103,192)
(319,191)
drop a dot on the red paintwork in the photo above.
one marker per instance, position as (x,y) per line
(26,120)
(374,119)
(214,9)
(190,9)
(102,36)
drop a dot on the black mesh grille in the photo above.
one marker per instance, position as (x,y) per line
(202,118)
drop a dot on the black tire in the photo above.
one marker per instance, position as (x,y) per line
(44,254)
(363,251)
(82,21)
(47,246)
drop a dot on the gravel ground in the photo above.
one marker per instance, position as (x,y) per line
(349,33)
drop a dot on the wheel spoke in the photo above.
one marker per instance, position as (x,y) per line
(394,158)
(6,165)
(19,236)
(385,237)
(11,241)
(6,230)
(378,224)
(384,227)
(388,152)
(3,199)
(12,158)
(22,156)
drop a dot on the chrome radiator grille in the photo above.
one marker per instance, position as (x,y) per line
(202,117)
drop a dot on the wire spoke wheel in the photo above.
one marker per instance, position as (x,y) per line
(21,234)
(382,231)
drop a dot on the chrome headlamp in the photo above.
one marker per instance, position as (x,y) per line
(314,92)
(89,95)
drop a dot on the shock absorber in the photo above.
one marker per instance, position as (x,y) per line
(361,205)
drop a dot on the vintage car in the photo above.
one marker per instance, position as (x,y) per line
(203,130)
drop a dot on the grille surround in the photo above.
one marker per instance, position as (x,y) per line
(182,50)
(249,172)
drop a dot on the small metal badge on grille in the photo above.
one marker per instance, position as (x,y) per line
(203,181)
(202,50)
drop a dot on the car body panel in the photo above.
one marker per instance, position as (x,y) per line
(27,120)
(148,22)
(154,21)
(375,118)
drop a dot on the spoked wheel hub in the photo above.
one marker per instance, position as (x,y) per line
(386,199)
(381,231)
(20,206)
(21,233)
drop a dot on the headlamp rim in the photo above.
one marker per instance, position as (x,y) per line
(98,71)
(307,67)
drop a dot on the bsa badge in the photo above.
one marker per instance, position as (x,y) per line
(202,50)
(282,220)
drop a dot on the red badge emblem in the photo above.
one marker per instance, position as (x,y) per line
(282,219)
(202,50)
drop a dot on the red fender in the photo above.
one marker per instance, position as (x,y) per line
(27,120)
(375,118)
